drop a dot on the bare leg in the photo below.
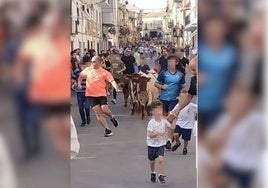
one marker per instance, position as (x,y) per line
(185,144)
(176,137)
(161,165)
(105,109)
(152,166)
(101,119)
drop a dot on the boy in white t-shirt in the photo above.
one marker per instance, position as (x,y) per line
(184,125)
(156,140)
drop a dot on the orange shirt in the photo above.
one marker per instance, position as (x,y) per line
(96,81)
(50,68)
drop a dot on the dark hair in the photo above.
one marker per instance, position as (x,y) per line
(155,104)
(105,54)
(86,59)
(172,56)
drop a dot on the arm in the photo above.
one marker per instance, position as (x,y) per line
(123,68)
(80,78)
(172,115)
(160,80)
(114,84)
(155,134)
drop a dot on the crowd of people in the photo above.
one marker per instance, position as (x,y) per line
(95,76)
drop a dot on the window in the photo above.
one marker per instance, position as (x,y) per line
(83,7)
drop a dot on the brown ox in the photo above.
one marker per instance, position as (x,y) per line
(133,89)
(143,95)
(124,83)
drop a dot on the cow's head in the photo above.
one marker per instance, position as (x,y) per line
(143,83)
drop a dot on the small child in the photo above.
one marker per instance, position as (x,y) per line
(143,66)
(156,140)
(184,125)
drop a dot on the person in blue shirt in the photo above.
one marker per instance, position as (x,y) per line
(217,63)
(163,62)
(171,82)
(83,102)
(143,66)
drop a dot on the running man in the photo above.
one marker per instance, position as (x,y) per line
(97,78)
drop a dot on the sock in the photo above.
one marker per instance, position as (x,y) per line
(170,140)
(153,172)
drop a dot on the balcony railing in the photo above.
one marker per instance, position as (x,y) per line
(187,20)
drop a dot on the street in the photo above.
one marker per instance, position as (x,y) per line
(121,160)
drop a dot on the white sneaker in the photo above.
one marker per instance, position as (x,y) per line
(114,101)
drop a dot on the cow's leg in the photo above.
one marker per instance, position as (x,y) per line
(142,111)
(147,110)
(133,108)
(126,94)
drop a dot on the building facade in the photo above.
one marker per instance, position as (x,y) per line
(152,25)
(86,25)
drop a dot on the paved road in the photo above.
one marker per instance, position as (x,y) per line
(121,160)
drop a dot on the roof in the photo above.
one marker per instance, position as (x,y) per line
(133,8)
(154,14)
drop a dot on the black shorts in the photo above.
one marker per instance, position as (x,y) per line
(48,110)
(155,152)
(94,101)
(184,133)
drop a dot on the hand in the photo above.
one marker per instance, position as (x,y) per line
(74,85)
(165,86)
(162,133)
(79,86)
(117,89)
(172,116)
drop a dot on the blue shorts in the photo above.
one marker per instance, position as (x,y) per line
(184,133)
(155,152)
(169,105)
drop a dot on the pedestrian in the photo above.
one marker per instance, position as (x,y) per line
(129,62)
(184,125)
(171,82)
(137,56)
(163,62)
(143,66)
(82,101)
(156,140)
(117,68)
(182,61)
(97,77)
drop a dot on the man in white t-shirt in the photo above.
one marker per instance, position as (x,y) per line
(184,125)
(156,140)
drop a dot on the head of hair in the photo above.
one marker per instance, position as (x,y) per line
(105,54)
(155,104)
(86,59)
(172,56)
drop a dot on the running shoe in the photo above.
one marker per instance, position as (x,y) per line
(108,133)
(153,177)
(114,121)
(168,145)
(175,147)
(162,179)
(184,151)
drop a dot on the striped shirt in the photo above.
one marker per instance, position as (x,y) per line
(75,76)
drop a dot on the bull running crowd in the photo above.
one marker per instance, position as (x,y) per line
(156,91)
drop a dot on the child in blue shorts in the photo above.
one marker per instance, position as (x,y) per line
(156,140)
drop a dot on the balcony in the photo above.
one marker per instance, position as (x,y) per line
(190,23)
(108,19)
(104,3)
